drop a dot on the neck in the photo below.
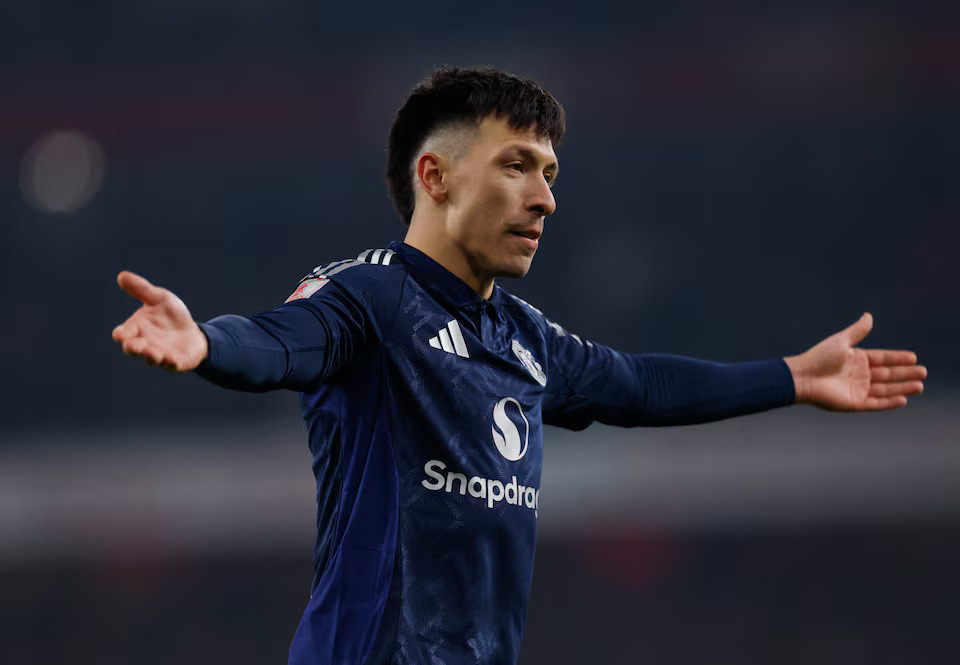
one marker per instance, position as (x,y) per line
(442,250)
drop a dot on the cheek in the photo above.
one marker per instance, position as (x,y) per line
(485,206)
(493,206)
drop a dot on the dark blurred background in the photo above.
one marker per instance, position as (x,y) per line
(740,179)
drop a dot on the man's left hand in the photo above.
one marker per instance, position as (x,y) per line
(837,376)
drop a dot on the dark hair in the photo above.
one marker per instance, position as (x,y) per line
(450,95)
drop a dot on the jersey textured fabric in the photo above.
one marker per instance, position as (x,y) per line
(425,407)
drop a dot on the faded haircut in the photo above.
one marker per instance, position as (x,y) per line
(453,97)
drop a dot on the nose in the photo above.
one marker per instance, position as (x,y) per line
(542,201)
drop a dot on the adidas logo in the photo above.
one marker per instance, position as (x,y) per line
(450,339)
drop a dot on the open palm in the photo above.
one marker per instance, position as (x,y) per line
(838,376)
(162,331)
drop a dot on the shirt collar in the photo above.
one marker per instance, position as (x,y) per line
(437,278)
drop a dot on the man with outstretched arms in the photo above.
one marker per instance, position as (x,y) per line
(425,386)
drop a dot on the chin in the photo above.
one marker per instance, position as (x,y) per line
(517,269)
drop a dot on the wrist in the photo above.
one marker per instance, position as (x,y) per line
(203,346)
(795,365)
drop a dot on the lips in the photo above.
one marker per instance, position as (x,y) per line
(533,234)
(531,237)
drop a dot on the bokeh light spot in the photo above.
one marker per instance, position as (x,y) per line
(62,171)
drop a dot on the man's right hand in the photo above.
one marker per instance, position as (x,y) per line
(162,330)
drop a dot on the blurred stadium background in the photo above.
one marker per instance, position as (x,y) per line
(739,180)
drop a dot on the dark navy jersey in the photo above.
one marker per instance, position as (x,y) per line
(425,406)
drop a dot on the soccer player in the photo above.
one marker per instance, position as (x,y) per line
(425,386)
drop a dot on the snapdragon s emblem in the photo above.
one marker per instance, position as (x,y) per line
(508,438)
(525,357)
(508,420)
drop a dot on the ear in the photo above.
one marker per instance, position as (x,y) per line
(430,173)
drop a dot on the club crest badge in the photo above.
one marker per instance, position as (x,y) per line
(525,357)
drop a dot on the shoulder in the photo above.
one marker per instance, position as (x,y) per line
(551,329)
(372,273)
(518,306)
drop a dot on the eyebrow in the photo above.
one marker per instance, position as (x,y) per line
(530,156)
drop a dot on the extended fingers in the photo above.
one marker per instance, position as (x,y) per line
(883,403)
(894,375)
(898,373)
(143,348)
(125,331)
(884,357)
(137,346)
(903,388)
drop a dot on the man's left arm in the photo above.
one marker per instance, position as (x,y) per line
(837,375)
(590,382)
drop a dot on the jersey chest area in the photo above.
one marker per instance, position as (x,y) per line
(472,383)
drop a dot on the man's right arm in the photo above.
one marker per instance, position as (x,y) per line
(293,346)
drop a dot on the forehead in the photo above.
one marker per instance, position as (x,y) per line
(494,135)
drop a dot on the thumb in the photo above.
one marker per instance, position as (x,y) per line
(140,288)
(856,332)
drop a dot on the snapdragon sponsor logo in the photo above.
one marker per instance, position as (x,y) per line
(508,439)
(491,490)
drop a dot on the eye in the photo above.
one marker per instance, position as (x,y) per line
(516,166)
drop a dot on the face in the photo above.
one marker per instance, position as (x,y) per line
(499,193)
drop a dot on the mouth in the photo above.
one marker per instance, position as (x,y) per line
(531,234)
(531,237)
